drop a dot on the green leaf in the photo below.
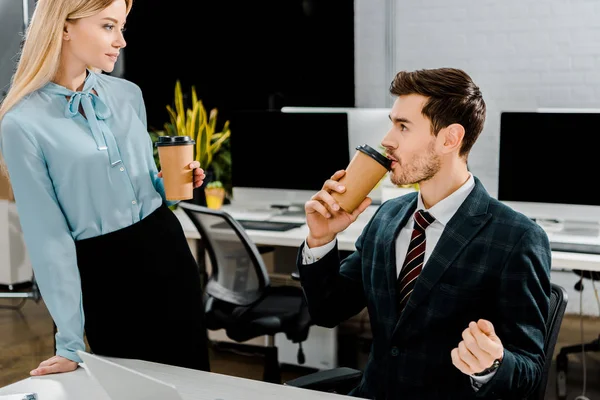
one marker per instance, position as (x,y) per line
(214,184)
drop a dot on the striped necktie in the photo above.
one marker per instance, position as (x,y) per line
(413,263)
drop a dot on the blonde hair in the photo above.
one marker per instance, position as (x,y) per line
(40,56)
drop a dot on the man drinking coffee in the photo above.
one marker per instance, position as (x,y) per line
(457,284)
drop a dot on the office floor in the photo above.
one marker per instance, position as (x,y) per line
(26,339)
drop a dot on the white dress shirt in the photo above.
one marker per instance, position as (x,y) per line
(443,211)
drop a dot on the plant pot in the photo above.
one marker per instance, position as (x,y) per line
(214,197)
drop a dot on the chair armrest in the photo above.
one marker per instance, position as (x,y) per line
(337,380)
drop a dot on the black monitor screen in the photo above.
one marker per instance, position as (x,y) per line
(548,157)
(279,150)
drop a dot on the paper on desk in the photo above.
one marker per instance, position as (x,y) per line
(19,396)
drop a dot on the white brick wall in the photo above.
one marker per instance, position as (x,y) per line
(370,60)
(524,54)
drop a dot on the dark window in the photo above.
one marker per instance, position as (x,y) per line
(262,54)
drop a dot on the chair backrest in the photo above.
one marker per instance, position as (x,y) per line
(558,306)
(239,275)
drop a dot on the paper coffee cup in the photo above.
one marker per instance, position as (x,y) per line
(175,154)
(365,170)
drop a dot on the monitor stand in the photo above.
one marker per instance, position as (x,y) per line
(569,227)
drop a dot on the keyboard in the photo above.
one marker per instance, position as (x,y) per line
(575,247)
(262,225)
(269,225)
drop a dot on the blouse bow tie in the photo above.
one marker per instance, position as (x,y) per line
(89,100)
(94,111)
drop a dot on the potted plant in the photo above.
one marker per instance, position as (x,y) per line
(215,194)
(212,147)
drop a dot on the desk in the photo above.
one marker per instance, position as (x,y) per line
(192,384)
(346,239)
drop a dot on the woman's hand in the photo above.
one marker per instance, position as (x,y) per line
(199,174)
(54,365)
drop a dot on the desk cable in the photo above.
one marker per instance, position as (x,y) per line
(583,396)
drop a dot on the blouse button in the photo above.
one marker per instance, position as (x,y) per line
(133,202)
(121,169)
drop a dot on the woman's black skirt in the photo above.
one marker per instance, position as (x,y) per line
(142,296)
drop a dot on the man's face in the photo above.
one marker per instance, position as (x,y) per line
(410,143)
(95,41)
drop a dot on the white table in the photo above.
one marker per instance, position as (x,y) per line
(294,237)
(192,384)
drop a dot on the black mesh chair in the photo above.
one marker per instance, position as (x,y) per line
(562,360)
(558,306)
(343,379)
(238,295)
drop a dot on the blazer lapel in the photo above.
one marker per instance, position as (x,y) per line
(469,219)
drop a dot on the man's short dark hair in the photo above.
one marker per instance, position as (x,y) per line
(453,98)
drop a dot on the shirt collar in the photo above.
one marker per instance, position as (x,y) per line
(88,85)
(444,210)
(95,110)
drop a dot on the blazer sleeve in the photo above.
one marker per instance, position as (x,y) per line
(523,307)
(156,180)
(48,239)
(334,291)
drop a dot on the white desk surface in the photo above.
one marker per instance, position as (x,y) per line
(295,237)
(191,384)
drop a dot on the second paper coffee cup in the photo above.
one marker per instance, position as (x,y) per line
(365,170)
(175,154)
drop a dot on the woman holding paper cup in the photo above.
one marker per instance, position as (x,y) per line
(109,256)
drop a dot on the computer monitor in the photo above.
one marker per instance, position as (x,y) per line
(284,158)
(366,125)
(548,164)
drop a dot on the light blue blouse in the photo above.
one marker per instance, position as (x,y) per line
(75,178)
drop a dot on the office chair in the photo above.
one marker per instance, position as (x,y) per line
(343,379)
(558,305)
(238,295)
(562,360)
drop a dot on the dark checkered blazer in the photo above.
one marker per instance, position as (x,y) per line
(490,262)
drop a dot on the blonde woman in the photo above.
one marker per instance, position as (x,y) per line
(110,258)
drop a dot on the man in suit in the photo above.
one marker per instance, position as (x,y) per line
(457,284)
